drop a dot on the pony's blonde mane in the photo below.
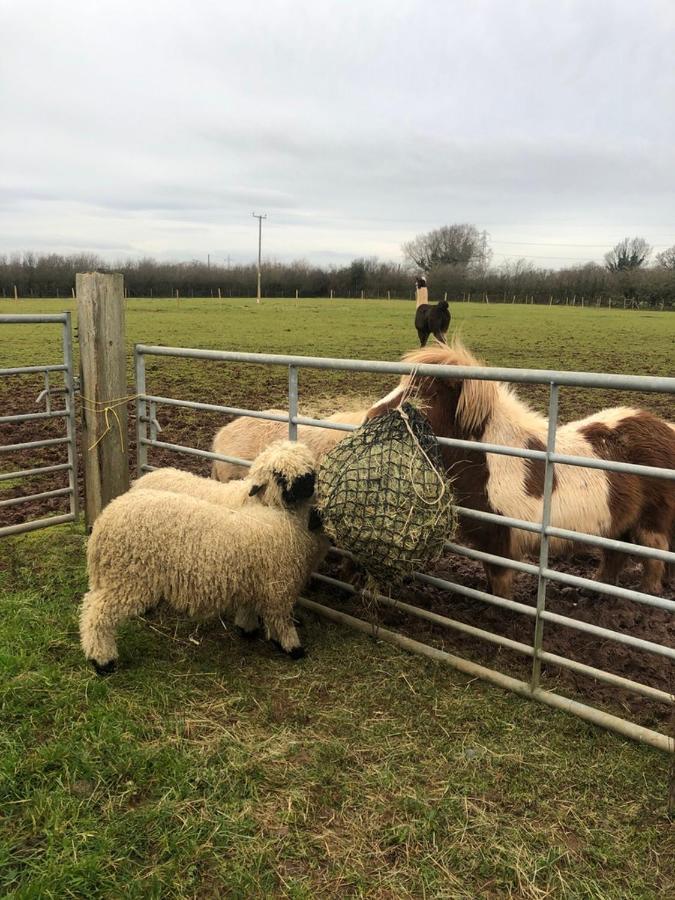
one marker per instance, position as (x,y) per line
(478,398)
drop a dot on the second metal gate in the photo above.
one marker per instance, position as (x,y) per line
(66,413)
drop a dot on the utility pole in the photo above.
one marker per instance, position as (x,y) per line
(208,260)
(484,251)
(259,218)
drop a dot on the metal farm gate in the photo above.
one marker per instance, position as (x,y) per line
(65,413)
(147,437)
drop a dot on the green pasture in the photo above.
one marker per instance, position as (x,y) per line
(210,767)
(557,337)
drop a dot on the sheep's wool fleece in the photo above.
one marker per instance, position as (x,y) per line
(199,557)
(383,495)
(233,495)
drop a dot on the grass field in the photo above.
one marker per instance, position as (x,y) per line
(209,767)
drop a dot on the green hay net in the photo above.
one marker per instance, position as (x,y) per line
(383,496)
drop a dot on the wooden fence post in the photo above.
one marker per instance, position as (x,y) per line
(103,389)
(16,293)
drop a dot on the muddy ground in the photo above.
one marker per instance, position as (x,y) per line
(193,429)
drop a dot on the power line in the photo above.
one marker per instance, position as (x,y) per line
(535,256)
(559,244)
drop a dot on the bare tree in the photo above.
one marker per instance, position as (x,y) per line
(451,245)
(628,254)
(666,259)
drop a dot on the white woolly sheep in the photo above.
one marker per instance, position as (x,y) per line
(246,437)
(283,474)
(200,558)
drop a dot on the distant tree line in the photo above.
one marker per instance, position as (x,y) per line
(455,259)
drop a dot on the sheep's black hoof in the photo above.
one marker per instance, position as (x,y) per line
(295,653)
(105,669)
(248,635)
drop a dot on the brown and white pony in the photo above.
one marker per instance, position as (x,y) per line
(628,507)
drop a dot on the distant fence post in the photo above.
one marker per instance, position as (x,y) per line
(16,293)
(103,389)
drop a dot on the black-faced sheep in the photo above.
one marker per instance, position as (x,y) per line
(204,558)
(281,475)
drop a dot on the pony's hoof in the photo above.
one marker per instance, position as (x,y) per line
(105,669)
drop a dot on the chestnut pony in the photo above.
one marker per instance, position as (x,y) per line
(627,507)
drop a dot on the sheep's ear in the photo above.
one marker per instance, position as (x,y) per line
(255,489)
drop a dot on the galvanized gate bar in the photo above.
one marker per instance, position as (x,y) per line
(474,594)
(32,318)
(33,445)
(561,661)
(141,414)
(26,473)
(292,403)
(17,501)
(215,407)
(543,546)
(618,636)
(192,451)
(34,417)
(589,713)
(71,426)
(32,370)
(584,462)
(475,373)
(565,534)
(562,577)
(427,615)
(611,590)
(322,423)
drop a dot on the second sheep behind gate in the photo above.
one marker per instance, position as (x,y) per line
(281,475)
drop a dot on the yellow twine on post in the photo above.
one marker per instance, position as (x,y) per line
(107,407)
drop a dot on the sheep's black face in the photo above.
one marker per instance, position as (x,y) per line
(300,488)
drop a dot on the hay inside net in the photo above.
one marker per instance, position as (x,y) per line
(383,496)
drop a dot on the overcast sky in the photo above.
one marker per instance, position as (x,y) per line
(131,127)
